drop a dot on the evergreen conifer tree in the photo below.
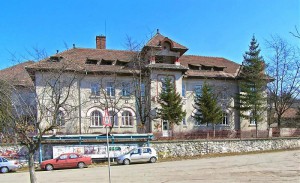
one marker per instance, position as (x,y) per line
(251,100)
(171,104)
(208,110)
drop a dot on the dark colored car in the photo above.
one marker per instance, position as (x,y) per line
(67,160)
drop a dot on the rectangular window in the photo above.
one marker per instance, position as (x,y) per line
(110,89)
(198,90)
(225,119)
(184,121)
(251,118)
(95,89)
(143,89)
(183,90)
(163,85)
(125,89)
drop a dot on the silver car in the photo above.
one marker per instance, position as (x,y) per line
(140,154)
(8,165)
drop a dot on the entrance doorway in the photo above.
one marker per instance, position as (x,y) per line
(165,128)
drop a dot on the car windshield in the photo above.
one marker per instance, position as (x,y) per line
(131,151)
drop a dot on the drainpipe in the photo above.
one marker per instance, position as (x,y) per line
(79,104)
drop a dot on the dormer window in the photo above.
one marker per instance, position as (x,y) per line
(121,63)
(91,61)
(55,59)
(166,45)
(219,68)
(106,62)
(206,67)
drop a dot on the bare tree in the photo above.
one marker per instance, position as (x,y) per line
(284,68)
(43,109)
(297,33)
(141,82)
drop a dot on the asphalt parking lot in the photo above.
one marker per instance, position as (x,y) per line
(265,167)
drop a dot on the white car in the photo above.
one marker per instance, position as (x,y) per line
(139,154)
(8,165)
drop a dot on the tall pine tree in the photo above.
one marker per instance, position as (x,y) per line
(170,104)
(251,99)
(208,110)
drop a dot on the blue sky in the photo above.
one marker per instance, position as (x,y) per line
(220,28)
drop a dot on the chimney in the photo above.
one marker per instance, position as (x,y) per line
(101,42)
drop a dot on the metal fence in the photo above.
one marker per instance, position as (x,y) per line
(229,134)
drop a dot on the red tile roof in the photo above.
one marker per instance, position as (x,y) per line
(230,68)
(158,38)
(75,59)
(17,75)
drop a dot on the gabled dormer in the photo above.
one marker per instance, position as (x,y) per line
(161,49)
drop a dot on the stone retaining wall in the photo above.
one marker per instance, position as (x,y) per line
(200,147)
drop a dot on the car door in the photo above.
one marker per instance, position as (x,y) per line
(61,161)
(136,155)
(146,154)
(73,160)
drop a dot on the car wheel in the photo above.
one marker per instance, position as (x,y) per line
(152,159)
(126,162)
(81,165)
(49,167)
(4,169)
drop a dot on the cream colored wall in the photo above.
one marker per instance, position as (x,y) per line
(91,103)
(82,85)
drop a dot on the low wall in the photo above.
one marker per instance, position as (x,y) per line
(201,147)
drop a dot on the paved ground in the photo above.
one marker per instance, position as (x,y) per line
(267,167)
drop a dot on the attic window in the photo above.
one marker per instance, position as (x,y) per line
(206,68)
(219,68)
(55,59)
(106,62)
(121,63)
(166,45)
(91,61)
(194,67)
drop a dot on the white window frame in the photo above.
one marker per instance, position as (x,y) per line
(251,119)
(183,90)
(198,90)
(60,118)
(126,89)
(127,120)
(110,89)
(116,121)
(184,121)
(225,119)
(95,89)
(93,117)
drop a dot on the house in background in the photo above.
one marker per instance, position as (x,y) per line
(102,82)
(22,90)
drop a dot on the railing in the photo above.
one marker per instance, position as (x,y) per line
(229,134)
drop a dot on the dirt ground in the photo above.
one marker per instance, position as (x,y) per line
(265,167)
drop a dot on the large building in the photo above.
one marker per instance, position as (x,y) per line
(125,85)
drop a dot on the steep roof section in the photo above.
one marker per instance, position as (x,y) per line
(157,40)
(230,69)
(17,75)
(77,60)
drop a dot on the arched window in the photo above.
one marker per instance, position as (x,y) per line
(127,119)
(96,118)
(60,118)
(111,115)
(225,120)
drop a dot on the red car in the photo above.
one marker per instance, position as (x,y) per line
(67,160)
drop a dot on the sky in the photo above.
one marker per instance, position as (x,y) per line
(217,28)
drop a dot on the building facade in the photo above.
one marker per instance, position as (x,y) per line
(90,84)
